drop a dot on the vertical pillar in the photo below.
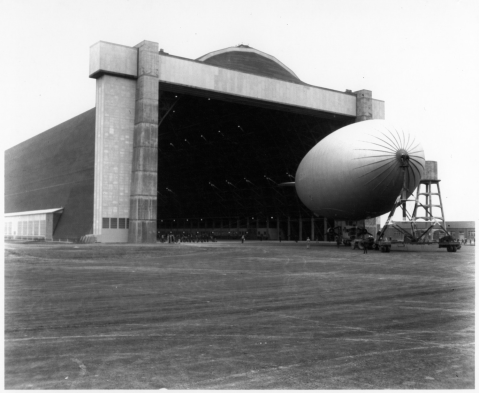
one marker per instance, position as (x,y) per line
(115,69)
(312,227)
(289,228)
(428,200)
(364,105)
(440,205)
(300,221)
(145,147)
(115,107)
(277,227)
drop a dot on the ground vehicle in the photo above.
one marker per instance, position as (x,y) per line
(383,245)
(357,236)
(363,240)
(450,243)
(354,236)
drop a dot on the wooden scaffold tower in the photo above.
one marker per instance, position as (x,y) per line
(427,208)
(428,204)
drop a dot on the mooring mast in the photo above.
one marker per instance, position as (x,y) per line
(428,179)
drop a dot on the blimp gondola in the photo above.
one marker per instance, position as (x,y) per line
(360,170)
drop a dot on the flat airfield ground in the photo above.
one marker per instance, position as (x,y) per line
(259,315)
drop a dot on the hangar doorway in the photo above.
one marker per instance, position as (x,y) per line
(221,159)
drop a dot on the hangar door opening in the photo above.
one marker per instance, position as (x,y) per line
(221,159)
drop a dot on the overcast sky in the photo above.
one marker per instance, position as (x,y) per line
(420,57)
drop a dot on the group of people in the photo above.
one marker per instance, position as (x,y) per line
(180,237)
(204,237)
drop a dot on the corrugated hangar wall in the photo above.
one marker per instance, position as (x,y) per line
(55,169)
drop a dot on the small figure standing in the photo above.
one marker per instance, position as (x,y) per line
(365,247)
(242,239)
(280,238)
(307,242)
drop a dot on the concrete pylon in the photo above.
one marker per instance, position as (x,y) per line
(364,105)
(143,194)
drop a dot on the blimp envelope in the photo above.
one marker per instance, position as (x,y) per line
(358,171)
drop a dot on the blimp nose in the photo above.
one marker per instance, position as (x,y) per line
(403,157)
(359,170)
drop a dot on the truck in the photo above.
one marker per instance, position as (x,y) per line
(356,237)
(448,242)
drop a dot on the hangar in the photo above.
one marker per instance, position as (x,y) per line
(179,144)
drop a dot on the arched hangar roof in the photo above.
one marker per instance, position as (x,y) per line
(246,59)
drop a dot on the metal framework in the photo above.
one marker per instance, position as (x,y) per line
(428,205)
(431,220)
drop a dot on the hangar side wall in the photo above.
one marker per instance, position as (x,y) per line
(55,169)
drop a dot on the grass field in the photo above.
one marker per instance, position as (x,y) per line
(259,315)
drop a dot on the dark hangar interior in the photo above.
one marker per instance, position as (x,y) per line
(221,162)
(221,158)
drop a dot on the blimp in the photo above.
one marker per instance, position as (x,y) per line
(360,170)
